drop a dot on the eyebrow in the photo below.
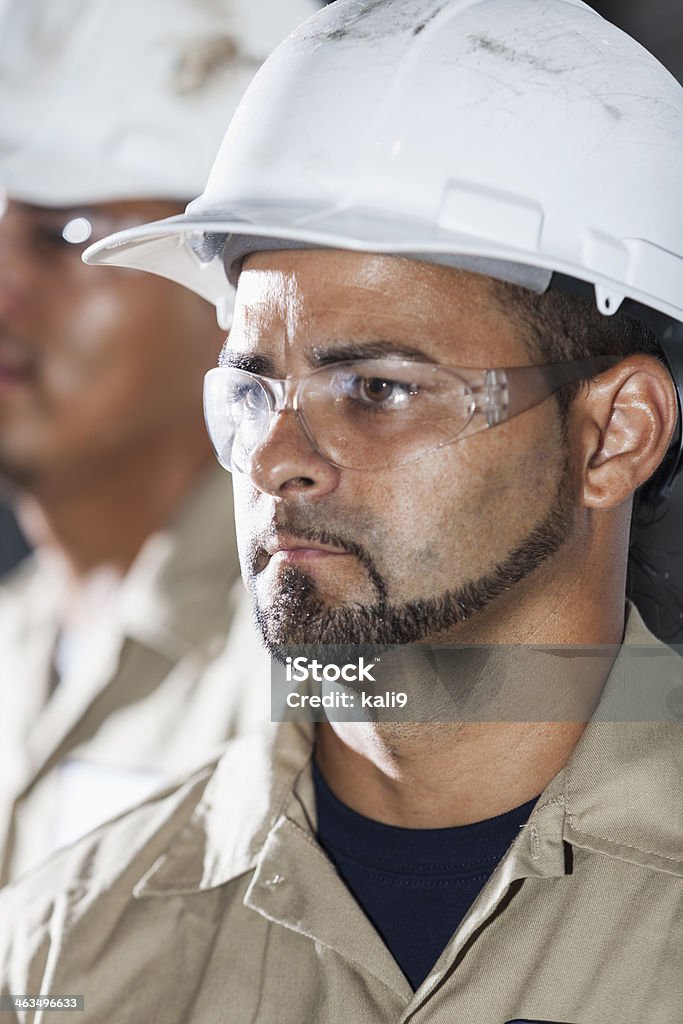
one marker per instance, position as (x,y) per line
(59,212)
(246,361)
(323,355)
(326,355)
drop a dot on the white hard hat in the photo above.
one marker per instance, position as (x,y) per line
(515,137)
(113,99)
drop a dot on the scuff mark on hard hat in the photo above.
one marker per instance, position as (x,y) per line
(514,56)
(425,21)
(347,25)
(349,22)
(613,111)
(203,59)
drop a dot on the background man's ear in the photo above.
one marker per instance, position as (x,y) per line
(627,419)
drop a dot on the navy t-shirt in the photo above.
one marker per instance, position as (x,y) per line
(415,885)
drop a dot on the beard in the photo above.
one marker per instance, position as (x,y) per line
(299,616)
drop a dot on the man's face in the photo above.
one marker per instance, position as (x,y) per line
(94,362)
(404,553)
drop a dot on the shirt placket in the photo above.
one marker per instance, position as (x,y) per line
(296,886)
(538,852)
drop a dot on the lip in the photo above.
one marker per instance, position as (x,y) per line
(13,378)
(305,554)
(294,550)
(15,364)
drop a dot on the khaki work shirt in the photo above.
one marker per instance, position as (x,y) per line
(214,904)
(173,668)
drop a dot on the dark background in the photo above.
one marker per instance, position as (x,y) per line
(657,560)
(657,24)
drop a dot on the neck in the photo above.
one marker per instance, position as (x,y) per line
(470,755)
(442,775)
(103,517)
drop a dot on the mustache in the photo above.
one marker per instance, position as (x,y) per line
(258,546)
(17,354)
(294,526)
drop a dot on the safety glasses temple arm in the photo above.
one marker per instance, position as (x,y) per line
(512,390)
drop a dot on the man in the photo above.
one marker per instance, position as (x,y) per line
(107,634)
(435,445)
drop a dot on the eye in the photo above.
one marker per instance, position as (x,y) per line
(57,234)
(382,392)
(50,236)
(247,395)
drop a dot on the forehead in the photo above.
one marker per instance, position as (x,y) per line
(293,299)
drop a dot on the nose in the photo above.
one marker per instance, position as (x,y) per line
(286,463)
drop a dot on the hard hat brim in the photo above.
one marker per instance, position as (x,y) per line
(172,248)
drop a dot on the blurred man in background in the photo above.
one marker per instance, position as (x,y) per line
(108,632)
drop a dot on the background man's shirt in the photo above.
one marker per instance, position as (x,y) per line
(171,668)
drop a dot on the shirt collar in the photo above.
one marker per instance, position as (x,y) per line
(623,785)
(620,793)
(242,801)
(178,594)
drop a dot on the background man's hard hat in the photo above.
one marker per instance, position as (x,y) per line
(113,99)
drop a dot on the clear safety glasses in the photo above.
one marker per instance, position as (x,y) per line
(376,413)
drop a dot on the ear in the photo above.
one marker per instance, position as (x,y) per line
(627,417)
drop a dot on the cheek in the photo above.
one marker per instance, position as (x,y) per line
(245,506)
(123,345)
(91,346)
(433,522)
(455,515)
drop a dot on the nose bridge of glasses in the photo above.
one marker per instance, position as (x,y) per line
(284,395)
(280,394)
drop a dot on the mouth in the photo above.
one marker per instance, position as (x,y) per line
(11,377)
(15,367)
(293,550)
(296,548)
(14,382)
(288,559)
